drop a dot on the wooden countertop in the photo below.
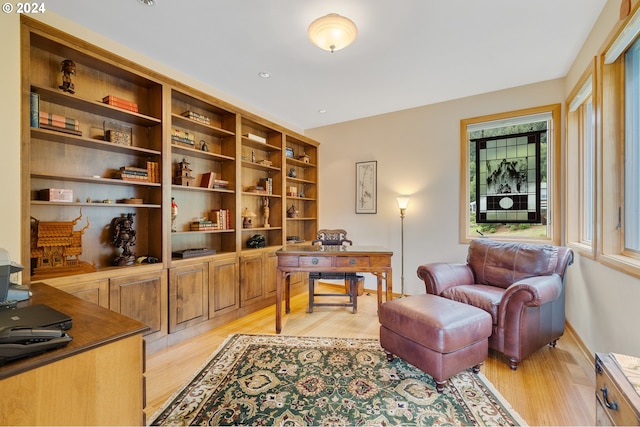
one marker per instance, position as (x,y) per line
(93,326)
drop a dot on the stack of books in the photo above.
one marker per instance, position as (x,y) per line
(220,183)
(221,218)
(292,191)
(120,103)
(59,123)
(197,117)
(181,137)
(132,173)
(203,225)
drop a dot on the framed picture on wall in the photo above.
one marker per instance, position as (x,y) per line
(366,187)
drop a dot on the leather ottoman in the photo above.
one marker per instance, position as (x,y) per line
(440,336)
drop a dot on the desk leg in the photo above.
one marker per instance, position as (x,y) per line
(281,277)
(389,285)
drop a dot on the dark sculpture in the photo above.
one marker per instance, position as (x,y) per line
(68,68)
(124,236)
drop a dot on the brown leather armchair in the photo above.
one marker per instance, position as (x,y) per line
(521,285)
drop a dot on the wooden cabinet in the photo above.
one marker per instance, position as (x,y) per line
(129,143)
(142,297)
(301,189)
(223,286)
(97,379)
(188,295)
(617,384)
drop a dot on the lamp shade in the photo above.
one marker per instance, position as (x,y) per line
(332,32)
(403,201)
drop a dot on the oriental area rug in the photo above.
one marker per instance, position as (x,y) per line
(275,380)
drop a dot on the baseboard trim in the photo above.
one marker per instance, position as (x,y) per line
(588,354)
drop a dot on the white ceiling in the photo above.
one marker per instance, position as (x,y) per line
(408,52)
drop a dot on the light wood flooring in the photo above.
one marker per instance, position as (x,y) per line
(553,387)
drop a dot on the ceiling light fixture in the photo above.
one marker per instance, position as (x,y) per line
(147,2)
(332,32)
(264,74)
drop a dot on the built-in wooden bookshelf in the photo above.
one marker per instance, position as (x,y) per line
(123,138)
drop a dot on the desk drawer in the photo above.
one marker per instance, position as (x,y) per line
(353,261)
(614,395)
(315,261)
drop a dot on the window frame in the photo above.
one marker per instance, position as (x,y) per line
(554,145)
(575,169)
(611,115)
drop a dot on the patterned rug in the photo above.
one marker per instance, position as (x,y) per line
(270,380)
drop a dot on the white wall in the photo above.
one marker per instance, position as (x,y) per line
(418,153)
(10,139)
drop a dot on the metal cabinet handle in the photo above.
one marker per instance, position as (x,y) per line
(605,396)
(352,261)
(314,261)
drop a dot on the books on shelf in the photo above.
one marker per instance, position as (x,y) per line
(133,173)
(221,217)
(59,123)
(153,171)
(203,225)
(181,137)
(267,184)
(200,118)
(125,104)
(207,179)
(220,183)
(254,137)
(34,111)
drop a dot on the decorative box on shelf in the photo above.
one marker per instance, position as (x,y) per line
(56,195)
(118,133)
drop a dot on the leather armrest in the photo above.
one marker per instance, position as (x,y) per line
(439,276)
(529,292)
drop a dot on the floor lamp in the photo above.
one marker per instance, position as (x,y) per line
(403,202)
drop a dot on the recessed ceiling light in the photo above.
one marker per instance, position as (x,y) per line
(322,111)
(147,2)
(264,74)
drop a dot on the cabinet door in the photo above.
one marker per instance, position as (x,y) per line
(251,273)
(142,297)
(270,274)
(223,287)
(188,294)
(95,291)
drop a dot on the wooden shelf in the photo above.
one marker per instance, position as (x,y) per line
(94,107)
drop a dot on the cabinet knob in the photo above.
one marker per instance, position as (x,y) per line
(352,262)
(314,261)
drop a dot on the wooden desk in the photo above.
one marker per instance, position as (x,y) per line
(345,259)
(97,379)
(617,390)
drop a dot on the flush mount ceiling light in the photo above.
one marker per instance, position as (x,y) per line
(332,32)
(147,2)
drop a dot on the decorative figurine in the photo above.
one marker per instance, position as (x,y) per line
(292,173)
(174,214)
(68,68)
(124,236)
(204,146)
(183,174)
(292,212)
(265,212)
